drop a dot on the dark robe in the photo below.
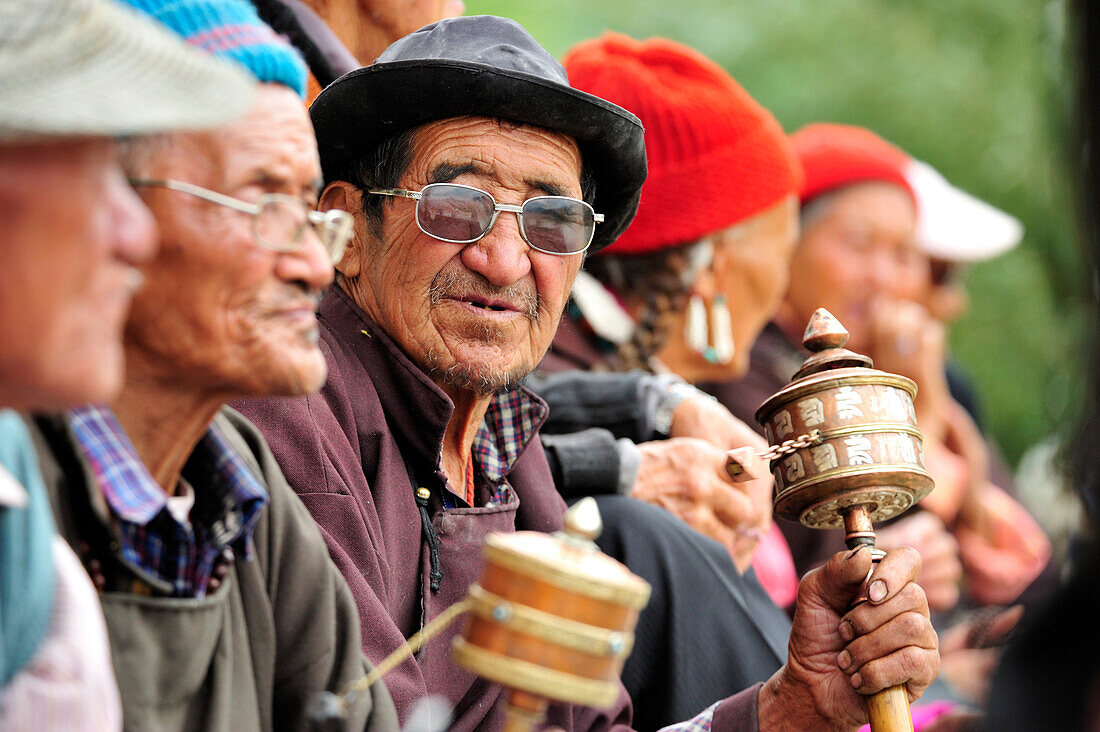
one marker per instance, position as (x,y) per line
(344,451)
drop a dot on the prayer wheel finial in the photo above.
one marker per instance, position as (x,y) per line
(825,337)
(824,331)
(583,519)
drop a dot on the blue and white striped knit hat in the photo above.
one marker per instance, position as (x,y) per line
(231,29)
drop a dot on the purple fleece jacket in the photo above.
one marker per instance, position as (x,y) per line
(341,451)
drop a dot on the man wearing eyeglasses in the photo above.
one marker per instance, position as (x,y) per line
(479,178)
(74,76)
(223,608)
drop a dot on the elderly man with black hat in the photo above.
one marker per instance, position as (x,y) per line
(479,178)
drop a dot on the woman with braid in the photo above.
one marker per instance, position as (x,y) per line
(685,292)
(688,287)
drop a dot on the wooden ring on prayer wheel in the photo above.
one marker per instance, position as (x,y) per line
(552,617)
(551,628)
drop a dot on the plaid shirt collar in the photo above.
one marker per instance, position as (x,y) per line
(180,556)
(511,422)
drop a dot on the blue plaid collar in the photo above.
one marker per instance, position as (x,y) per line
(130,490)
(230,496)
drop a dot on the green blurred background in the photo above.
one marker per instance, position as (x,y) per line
(979,89)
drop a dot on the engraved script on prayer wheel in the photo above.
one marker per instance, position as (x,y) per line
(552,617)
(850,432)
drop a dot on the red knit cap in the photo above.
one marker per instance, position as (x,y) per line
(716,157)
(838,155)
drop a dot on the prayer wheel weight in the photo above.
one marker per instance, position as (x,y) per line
(551,618)
(846,452)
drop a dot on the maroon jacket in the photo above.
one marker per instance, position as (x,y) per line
(341,450)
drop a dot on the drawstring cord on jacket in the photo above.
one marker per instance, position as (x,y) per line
(435,574)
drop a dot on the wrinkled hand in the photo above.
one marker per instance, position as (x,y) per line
(706,418)
(942,570)
(688,478)
(837,655)
(906,339)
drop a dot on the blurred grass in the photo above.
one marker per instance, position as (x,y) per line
(977,88)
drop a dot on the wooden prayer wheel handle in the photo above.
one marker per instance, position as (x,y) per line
(845,449)
(888,709)
(523,711)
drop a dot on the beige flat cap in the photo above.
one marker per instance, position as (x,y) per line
(96,68)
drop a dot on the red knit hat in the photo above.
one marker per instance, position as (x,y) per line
(838,155)
(716,157)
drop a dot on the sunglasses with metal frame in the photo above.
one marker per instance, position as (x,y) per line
(462,214)
(279,221)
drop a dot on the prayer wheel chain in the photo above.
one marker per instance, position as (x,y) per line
(736,467)
(813,437)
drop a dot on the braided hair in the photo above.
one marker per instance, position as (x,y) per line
(662,281)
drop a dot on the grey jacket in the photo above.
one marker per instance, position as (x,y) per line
(251,655)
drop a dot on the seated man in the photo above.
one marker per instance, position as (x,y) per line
(75,74)
(223,609)
(421,442)
(709,630)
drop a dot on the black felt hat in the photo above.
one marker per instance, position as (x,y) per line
(484,66)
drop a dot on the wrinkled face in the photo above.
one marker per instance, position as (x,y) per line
(756,261)
(220,313)
(859,249)
(73,231)
(479,316)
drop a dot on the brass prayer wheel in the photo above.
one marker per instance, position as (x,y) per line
(846,451)
(844,435)
(551,618)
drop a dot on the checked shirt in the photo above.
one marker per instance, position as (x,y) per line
(173,557)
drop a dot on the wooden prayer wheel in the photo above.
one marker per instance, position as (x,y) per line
(551,618)
(846,451)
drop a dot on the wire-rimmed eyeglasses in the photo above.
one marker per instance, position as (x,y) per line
(462,214)
(279,221)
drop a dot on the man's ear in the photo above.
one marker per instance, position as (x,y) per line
(344,196)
